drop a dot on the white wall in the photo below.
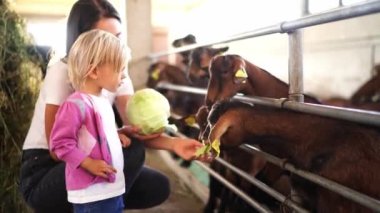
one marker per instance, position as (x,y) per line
(46,20)
(338,56)
(139,40)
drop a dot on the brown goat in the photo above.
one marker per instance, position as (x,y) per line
(231,74)
(367,97)
(199,60)
(341,151)
(187,40)
(370,91)
(164,72)
(251,164)
(225,83)
(182,104)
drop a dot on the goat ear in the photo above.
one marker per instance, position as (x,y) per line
(190,38)
(240,76)
(241,73)
(219,51)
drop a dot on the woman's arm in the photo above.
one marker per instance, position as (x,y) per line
(121,103)
(50,112)
(183,147)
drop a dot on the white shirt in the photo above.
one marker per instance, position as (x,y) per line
(55,89)
(104,190)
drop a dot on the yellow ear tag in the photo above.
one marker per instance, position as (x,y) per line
(155,74)
(241,73)
(190,121)
(216,146)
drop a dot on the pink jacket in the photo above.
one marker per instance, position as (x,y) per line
(78,132)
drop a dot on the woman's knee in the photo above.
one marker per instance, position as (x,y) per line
(50,192)
(161,187)
(150,189)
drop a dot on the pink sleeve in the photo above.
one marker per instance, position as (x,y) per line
(64,135)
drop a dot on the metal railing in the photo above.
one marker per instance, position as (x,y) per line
(295,99)
(346,12)
(355,115)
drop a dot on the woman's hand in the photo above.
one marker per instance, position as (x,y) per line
(186,148)
(206,158)
(53,155)
(125,141)
(135,132)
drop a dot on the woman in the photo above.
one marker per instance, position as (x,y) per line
(42,181)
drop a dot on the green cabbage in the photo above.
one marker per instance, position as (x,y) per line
(149,110)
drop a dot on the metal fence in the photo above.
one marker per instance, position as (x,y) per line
(293,102)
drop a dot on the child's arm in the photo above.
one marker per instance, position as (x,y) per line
(64,134)
(97,167)
(64,141)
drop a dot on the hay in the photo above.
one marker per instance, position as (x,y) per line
(20,76)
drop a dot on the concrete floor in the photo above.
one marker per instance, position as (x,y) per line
(181,198)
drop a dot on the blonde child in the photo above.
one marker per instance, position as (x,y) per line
(84,134)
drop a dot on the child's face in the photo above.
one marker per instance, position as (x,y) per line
(108,78)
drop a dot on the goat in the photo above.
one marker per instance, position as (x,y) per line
(367,97)
(164,72)
(231,74)
(199,60)
(221,198)
(370,91)
(341,151)
(187,40)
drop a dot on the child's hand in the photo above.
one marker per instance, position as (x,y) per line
(97,167)
(125,141)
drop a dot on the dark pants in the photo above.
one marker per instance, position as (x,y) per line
(42,181)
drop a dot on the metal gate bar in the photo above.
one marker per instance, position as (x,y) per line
(346,12)
(355,115)
(296,92)
(278,196)
(361,198)
(233,188)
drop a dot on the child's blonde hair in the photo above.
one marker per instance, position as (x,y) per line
(92,49)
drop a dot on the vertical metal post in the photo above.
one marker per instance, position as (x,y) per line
(295,72)
(305,7)
(295,63)
(340,3)
(295,79)
(295,66)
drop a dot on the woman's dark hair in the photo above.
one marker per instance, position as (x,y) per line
(84,15)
